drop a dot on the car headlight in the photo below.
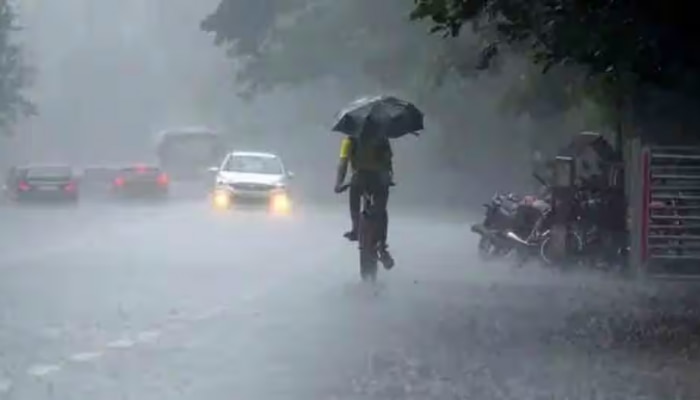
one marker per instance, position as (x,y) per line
(279,185)
(221,198)
(280,203)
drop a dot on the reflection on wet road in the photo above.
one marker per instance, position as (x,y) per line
(174,301)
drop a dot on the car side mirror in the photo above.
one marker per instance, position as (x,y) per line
(290,174)
(213,169)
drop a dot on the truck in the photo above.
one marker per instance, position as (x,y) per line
(187,153)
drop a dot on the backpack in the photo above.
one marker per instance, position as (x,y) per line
(380,151)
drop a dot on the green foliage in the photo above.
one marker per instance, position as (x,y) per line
(14,75)
(302,40)
(291,42)
(595,52)
(544,95)
(243,23)
(624,41)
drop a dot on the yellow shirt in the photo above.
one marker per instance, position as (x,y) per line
(367,159)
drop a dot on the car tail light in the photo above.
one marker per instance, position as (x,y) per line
(70,187)
(141,169)
(23,186)
(119,181)
(163,179)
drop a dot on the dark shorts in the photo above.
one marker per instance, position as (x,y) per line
(377,184)
(371,180)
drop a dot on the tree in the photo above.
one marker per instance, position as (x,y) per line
(14,74)
(624,42)
(297,41)
(626,47)
(301,40)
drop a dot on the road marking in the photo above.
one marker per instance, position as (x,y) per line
(43,370)
(121,344)
(148,336)
(5,385)
(85,357)
(173,321)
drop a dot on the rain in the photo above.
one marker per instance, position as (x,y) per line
(174,222)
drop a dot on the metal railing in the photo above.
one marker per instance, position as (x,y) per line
(671,205)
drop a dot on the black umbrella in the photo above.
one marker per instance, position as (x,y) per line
(381,115)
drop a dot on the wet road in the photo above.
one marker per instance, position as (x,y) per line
(177,302)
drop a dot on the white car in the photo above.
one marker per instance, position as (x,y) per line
(252,177)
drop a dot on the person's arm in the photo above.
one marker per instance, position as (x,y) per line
(391,161)
(342,163)
(341,172)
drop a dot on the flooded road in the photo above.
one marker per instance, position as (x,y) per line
(106,301)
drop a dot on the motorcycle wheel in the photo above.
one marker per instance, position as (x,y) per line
(522,255)
(545,250)
(487,249)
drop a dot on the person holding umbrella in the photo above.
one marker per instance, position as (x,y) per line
(368,124)
(369,157)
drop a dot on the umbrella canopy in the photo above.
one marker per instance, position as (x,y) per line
(385,116)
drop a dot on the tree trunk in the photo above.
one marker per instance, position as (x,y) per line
(621,109)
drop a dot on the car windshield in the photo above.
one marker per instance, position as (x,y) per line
(254,164)
(48,172)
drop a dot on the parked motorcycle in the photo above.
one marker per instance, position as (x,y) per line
(530,236)
(512,224)
(498,219)
(589,245)
(533,240)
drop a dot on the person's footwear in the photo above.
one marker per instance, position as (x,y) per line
(351,235)
(385,258)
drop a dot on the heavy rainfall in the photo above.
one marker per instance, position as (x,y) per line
(195,197)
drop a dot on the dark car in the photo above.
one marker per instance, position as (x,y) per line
(141,181)
(42,183)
